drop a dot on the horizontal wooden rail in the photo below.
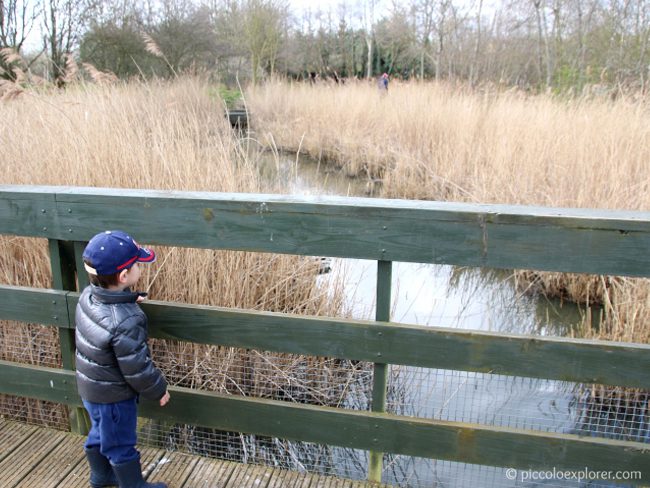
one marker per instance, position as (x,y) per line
(499,236)
(578,360)
(583,361)
(436,439)
(35,305)
(565,240)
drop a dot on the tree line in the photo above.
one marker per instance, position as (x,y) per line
(533,44)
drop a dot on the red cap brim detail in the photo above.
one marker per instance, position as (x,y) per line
(128,263)
(146,255)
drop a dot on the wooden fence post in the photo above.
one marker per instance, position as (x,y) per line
(380,375)
(62,261)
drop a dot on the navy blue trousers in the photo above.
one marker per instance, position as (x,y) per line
(113,429)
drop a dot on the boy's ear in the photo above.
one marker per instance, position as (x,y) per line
(122,276)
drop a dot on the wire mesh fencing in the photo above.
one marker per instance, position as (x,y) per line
(250,373)
(523,403)
(507,401)
(254,449)
(479,398)
(420,472)
(36,345)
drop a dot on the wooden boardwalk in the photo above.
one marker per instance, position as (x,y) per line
(37,457)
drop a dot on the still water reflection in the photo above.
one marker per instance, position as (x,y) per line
(423,294)
(447,296)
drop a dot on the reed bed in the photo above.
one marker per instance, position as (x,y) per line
(168,136)
(441,142)
(436,141)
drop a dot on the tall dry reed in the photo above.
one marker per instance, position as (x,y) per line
(440,142)
(156,135)
(435,141)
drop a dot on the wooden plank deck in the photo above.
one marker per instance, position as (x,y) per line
(38,457)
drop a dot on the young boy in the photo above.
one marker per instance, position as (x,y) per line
(113,362)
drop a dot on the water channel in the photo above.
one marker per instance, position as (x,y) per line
(423,294)
(440,295)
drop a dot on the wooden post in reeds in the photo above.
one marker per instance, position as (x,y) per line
(62,260)
(380,375)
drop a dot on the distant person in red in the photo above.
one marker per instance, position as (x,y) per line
(383,82)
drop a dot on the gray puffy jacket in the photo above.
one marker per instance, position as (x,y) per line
(113,359)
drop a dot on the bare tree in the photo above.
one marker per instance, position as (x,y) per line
(583,25)
(643,32)
(423,12)
(263,31)
(62,24)
(474,68)
(562,44)
(541,39)
(443,8)
(184,34)
(396,43)
(433,20)
(368,20)
(17,18)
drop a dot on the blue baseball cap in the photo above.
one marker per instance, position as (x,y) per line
(113,251)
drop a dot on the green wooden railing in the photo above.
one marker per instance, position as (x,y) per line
(585,241)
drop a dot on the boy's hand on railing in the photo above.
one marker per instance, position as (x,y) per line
(165,399)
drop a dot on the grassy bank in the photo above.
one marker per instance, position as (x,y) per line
(156,136)
(439,142)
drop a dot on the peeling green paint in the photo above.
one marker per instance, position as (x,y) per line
(467,444)
(208,214)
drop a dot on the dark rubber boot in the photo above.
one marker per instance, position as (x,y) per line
(101,471)
(129,475)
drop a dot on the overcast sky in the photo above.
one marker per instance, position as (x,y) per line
(299,6)
(318,4)
(353,9)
